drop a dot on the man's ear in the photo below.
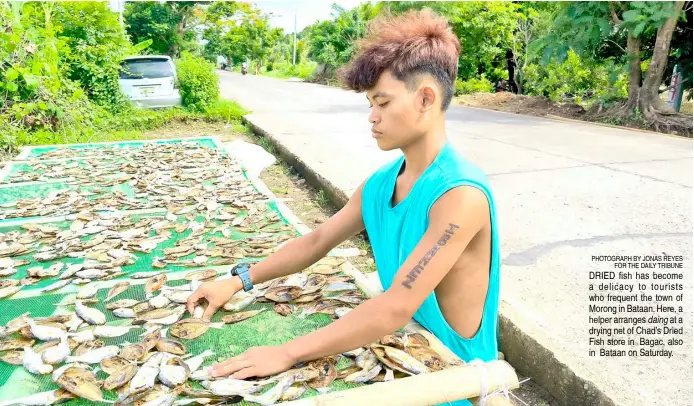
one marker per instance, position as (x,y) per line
(427,98)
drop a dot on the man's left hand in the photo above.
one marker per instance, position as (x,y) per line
(255,362)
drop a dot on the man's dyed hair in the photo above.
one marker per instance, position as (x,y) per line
(407,45)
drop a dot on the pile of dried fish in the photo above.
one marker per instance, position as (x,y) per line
(155,176)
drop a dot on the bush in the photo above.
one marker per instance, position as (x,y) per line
(473,86)
(576,80)
(226,110)
(198,82)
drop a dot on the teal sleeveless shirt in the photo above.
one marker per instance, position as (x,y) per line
(395,231)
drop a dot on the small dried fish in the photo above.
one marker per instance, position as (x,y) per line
(81,383)
(153,284)
(398,360)
(47,398)
(33,363)
(324,270)
(328,373)
(144,275)
(427,356)
(89,314)
(311,297)
(112,331)
(173,372)
(87,291)
(171,346)
(366,360)
(126,313)
(237,317)
(122,303)
(9,291)
(231,386)
(239,301)
(14,357)
(8,282)
(16,344)
(284,309)
(344,372)
(95,356)
(133,352)
(363,375)
(43,332)
(179,296)
(120,376)
(57,353)
(159,302)
(201,275)
(191,328)
(117,289)
(292,393)
(283,294)
(112,364)
(339,286)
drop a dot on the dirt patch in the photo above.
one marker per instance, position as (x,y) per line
(521,104)
(543,107)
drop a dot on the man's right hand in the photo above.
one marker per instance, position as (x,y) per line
(216,293)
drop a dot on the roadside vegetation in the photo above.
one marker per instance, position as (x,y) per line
(601,61)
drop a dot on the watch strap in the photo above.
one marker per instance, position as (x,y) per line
(242,272)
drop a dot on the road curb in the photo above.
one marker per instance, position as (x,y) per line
(528,356)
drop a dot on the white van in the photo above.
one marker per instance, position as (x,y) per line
(150,81)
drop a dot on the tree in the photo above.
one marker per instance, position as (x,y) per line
(590,27)
(166,24)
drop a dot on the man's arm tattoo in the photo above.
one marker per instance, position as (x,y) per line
(414,273)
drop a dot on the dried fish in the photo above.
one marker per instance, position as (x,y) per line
(89,314)
(231,386)
(173,372)
(427,356)
(112,331)
(133,352)
(14,357)
(16,344)
(9,291)
(324,270)
(51,397)
(120,376)
(282,294)
(117,289)
(126,313)
(171,346)
(154,284)
(201,275)
(191,328)
(57,353)
(328,373)
(339,286)
(44,332)
(237,317)
(363,375)
(144,275)
(95,356)
(112,364)
(87,291)
(292,393)
(271,396)
(33,363)
(159,302)
(122,303)
(239,301)
(398,360)
(81,383)
(284,309)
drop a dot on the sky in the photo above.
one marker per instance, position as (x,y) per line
(307,11)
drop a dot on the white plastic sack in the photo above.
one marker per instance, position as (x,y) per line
(253,157)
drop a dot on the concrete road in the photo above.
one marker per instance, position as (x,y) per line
(565,193)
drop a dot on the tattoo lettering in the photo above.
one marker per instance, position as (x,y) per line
(414,273)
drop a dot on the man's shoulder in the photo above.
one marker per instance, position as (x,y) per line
(455,168)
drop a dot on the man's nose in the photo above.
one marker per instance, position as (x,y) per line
(373,117)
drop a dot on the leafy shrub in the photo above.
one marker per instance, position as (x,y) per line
(474,85)
(576,80)
(226,110)
(198,82)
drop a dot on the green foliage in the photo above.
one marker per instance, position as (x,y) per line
(95,44)
(198,82)
(577,80)
(474,85)
(287,70)
(166,24)
(225,110)
(333,42)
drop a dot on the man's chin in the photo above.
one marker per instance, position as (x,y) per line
(383,145)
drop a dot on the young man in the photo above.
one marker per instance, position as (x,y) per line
(429,215)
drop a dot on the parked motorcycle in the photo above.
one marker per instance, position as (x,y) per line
(243,70)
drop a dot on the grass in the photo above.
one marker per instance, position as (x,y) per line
(322,198)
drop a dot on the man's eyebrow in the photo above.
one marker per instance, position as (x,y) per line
(378,94)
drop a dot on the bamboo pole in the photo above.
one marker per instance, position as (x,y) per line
(449,385)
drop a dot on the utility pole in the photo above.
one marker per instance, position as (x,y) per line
(294,60)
